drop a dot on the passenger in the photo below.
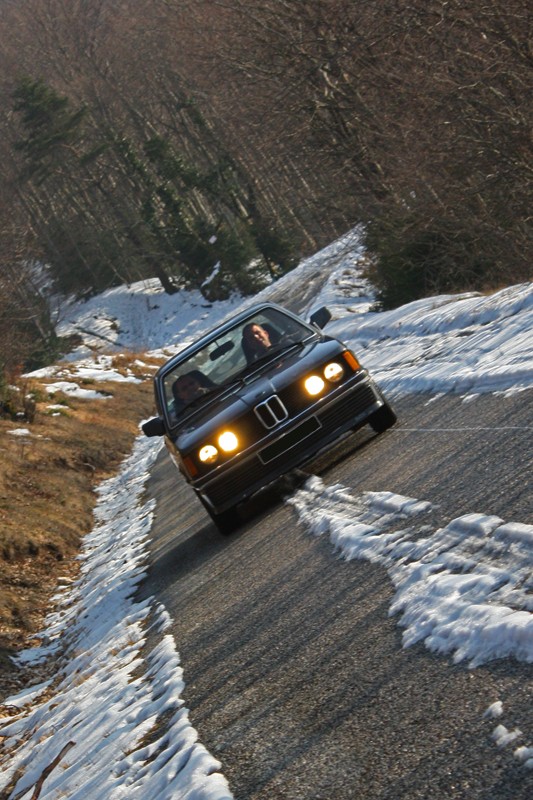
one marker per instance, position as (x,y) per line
(189,386)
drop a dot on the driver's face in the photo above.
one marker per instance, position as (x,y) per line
(259,336)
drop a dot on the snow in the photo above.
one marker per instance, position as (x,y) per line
(113,685)
(112,721)
(73,390)
(494,710)
(457,590)
(503,737)
(141,317)
(463,345)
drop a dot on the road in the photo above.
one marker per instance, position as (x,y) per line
(296,679)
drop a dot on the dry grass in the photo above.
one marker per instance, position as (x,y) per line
(47,497)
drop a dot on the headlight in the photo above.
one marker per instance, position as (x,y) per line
(333,372)
(314,384)
(228,441)
(208,454)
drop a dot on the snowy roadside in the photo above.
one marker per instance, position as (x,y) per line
(112,720)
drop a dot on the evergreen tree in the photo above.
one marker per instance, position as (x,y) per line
(51,127)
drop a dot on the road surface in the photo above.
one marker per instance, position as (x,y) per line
(296,678)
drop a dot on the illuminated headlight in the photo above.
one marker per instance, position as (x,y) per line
(228,442)
(208,454)
(333,372)
(314,384)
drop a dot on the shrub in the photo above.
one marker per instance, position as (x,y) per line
(276,248)
(409,261)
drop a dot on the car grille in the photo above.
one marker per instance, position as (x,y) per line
(347,408)
(271,412)
(294,398)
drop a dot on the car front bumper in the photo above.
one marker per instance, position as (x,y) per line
(296,442)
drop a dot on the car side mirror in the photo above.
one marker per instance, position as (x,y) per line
(153,427)
(321,317)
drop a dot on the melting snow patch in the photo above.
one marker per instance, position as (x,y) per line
(525,756)
(494,710)
(463,590)
(73,390)
(503,737)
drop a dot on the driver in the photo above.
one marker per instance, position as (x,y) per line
(256,340)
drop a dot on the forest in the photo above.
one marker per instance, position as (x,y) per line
(167,138)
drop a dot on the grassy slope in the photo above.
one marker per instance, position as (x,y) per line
(47,498)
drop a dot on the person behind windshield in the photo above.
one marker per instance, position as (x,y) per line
(256,340)
(189,386)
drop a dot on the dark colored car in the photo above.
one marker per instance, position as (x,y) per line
(255,398)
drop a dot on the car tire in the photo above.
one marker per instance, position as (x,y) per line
(382,419)
(227,521)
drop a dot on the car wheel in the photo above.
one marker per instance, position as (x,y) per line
(382,419)
(227,521)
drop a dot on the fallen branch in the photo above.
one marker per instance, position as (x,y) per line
(46,772)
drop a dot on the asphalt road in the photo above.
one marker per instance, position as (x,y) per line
(296,679)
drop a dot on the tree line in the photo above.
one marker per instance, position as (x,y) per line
(169,137)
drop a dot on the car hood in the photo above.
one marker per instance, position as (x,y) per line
(284,369)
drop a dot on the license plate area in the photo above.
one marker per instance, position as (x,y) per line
(289,440)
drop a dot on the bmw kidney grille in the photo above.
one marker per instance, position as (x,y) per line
(271,412)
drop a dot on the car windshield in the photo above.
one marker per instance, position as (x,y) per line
(227,357)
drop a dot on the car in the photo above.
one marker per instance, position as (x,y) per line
(254,399)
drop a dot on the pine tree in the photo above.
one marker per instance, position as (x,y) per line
(51,127)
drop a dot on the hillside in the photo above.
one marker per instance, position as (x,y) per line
(48,473)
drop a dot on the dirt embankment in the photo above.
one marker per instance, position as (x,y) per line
(47,497)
